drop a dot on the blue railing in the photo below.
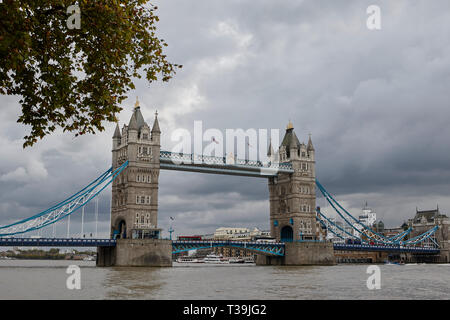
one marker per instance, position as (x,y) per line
(268,248)
(56,242)
(185,158)
(390,248)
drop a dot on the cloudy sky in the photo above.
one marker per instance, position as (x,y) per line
(375,101)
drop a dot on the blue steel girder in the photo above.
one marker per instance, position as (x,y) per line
(56,242)
(267,248)
(367,232)
(385,248)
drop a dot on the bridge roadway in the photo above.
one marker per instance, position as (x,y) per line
(56,242)
(267,248)
(220,165)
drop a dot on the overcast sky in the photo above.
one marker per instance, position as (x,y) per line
(375,101)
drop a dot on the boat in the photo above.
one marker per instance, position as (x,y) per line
(213,258)
(188,260)
(249,260)
(236,260)
(89,258)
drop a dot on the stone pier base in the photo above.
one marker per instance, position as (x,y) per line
(302,254)
(136,253)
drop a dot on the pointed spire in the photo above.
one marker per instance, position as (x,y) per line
(117,132)
(133,123)
(270,151)
(290,139)
(136,105)
(156,124)
(289,125)
(310,145)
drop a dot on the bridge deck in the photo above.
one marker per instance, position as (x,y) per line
(220,165)
(56,242)
(406,249)
(267,248)
(275,248)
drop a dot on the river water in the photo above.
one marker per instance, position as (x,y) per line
(42,279)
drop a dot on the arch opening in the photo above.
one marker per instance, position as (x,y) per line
(287,234)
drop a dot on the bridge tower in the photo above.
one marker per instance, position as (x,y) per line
(293,196)
(134,203)
(134,206)
(292,207)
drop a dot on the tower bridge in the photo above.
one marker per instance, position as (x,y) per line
(135,239)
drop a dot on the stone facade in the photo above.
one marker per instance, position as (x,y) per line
(302,254)
(426,220)
(293,196)
(136,253)
(134,205)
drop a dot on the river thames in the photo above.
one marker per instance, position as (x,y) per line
(44,279)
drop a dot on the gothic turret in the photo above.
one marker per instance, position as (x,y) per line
(310,144)
(134,208)
(292,195)
(290,145)
(117,137)
(156,132)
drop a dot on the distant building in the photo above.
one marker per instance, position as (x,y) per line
(235,233)
(232,233)
(368,216)
(427,216)
(428,219)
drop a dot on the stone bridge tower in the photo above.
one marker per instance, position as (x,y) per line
(134,205)
(293,196)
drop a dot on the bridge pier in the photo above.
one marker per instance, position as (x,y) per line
(136,253)
(302,254)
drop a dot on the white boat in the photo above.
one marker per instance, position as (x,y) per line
(89,258)
(236,260)
(188,260)
(212,258)
(249,260)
